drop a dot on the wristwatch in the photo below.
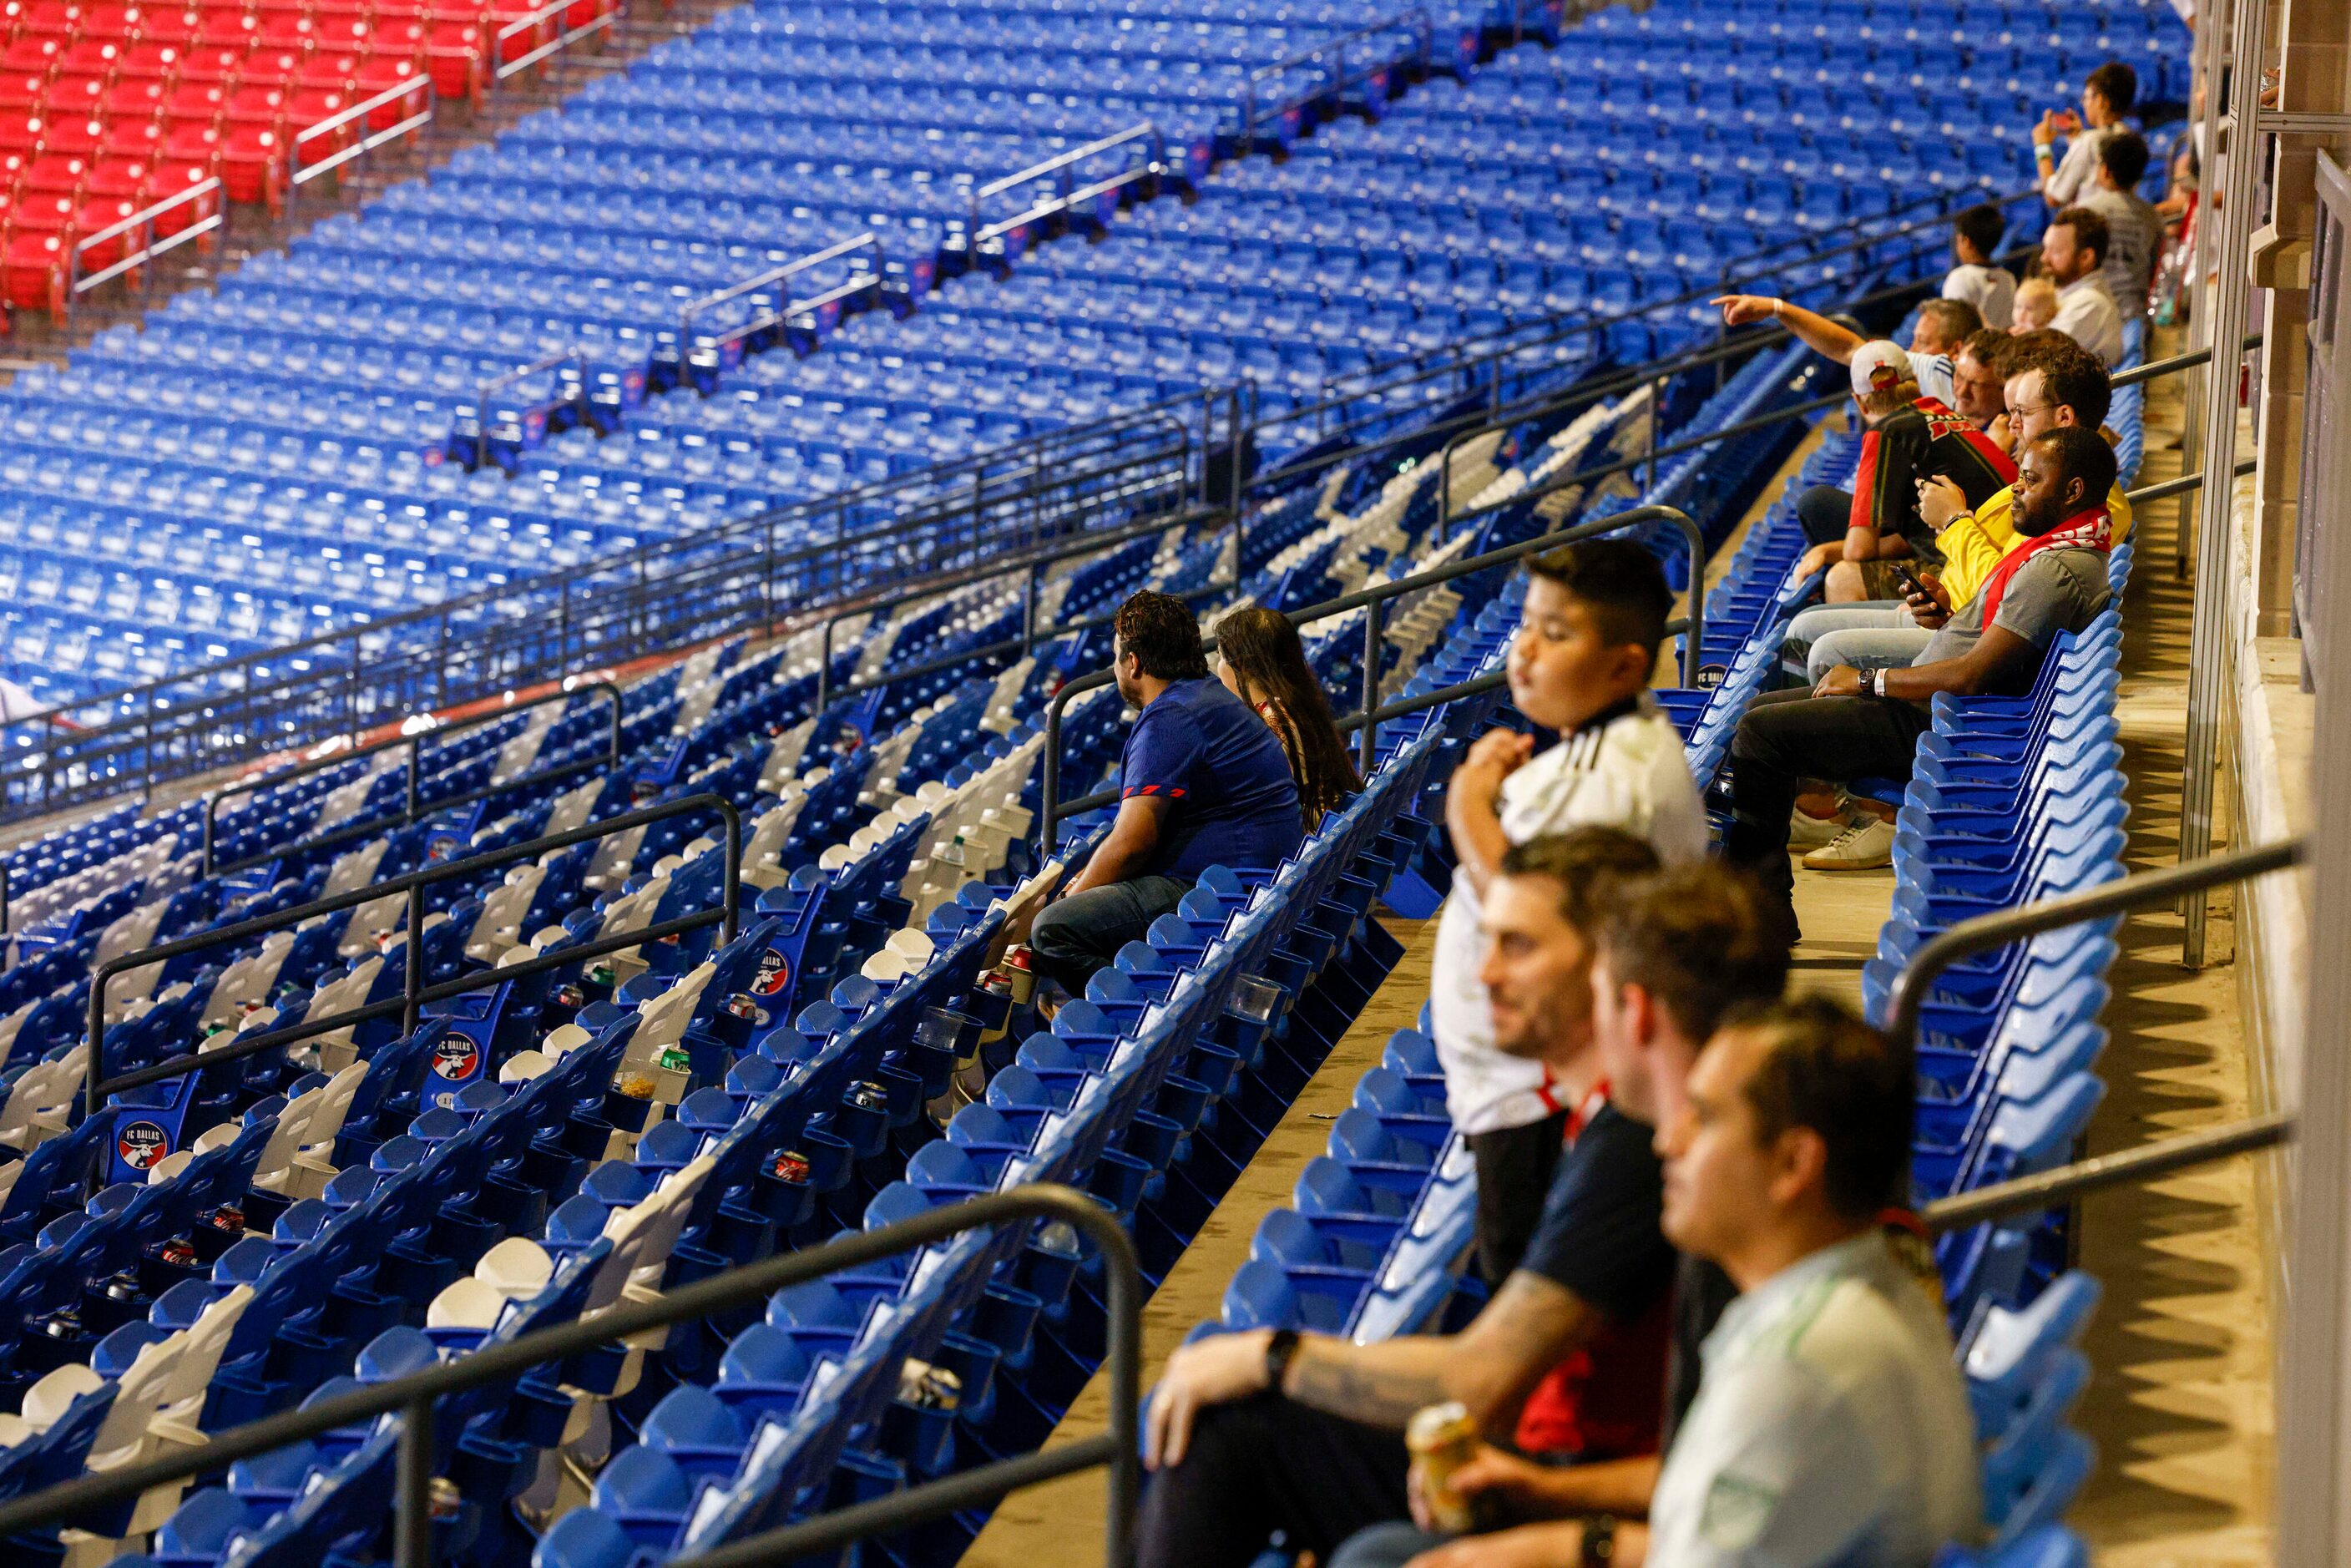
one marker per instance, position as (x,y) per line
(1278,1352)
(1599,1542)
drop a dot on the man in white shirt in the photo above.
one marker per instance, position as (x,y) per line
(1977,279)
(2107,94)
(1579,665)
(2074,254)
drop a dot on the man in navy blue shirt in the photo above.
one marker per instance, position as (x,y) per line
(1204,782)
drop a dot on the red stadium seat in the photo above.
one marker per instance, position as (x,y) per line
(258,106)
(112,20)
(175,174)
(49,213)
(273,67)
(503,13)
(326,72)
(77,98)
(223,63)
(252,165)
(149,60)
(222,28)
(195,103)
(456,52)
(53,19)
(128,177)
(84,137)
(381,75)
(134,98)
(140,138)
(288,29)
(22,132)
(51,175)
(307,107)
(31,54)
(98,214)
(34,275)
(88,56)
(24,92)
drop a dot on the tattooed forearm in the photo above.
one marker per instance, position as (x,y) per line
(1340,1379)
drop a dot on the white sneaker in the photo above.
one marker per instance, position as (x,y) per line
(1866,846)
(1808,831)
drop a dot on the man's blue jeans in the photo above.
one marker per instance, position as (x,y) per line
(1879,635)
(1076,935)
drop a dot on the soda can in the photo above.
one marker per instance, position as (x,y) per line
(793,1166)
(868,1095)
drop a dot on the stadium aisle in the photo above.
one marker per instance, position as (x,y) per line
(2179,1400)
(1061,1523)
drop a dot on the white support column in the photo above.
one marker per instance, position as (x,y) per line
(2231,177)
(2313,1341)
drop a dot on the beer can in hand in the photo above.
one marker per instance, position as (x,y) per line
(1443,1438)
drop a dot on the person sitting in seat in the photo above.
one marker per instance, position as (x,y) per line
(1273,1430)
(1203,782)
(1261,661)
(1579,665)
(1975,278)
(1830,1427)
(1855,724)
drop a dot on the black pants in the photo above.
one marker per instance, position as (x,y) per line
(1792,736)
(1824,511)
(1514,1167)
(1265,1465)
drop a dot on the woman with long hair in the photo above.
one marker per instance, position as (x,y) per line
(1261,661)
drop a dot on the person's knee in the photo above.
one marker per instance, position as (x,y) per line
(1844,584)
(1385,1546)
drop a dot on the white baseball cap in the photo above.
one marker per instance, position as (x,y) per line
(1880,366)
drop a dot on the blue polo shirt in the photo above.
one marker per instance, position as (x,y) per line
(1221,766)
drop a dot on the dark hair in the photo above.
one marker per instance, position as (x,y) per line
(1953,319)
(1824,1069)
(1163,632)
(2026,349)
(2089,227)
(1591,864)
(1263,648)
(1618,581)
(2084,454)
(2117,83)
(1987,344)
(2124,155)
(1695,937)
(2070,374)
(1982,226)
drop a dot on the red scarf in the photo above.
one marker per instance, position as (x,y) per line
(2090,529)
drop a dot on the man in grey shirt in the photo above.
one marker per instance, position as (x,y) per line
(1855,726)
(2134,229)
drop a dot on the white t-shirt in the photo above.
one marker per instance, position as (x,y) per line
(1990,289)
(2088,314)
(1630,772)
(1830,1427)
(2076,173)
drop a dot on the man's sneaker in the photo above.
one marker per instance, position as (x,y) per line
(1864,847)
(1808,831)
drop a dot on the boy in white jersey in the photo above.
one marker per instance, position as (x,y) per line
(1579,664)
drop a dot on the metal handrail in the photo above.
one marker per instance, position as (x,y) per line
(413,1397)
(571,356)
(1693,629)
(1338,81)
(1029,563)
(2031,1194)
(1059,165)
(79,284)
(520,63)
(793,268)
(413,87)
(2147,890)
(415,994)
(569,689)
